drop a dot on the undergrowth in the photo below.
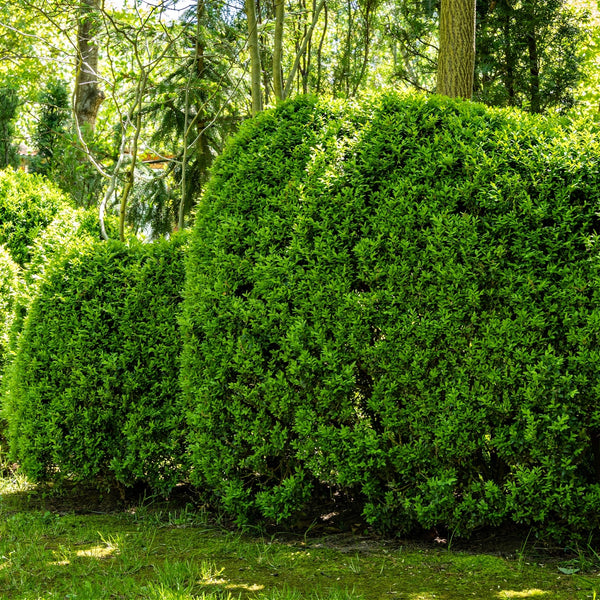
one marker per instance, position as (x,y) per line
(75,547)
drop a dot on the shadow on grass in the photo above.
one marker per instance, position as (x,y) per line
(80,543)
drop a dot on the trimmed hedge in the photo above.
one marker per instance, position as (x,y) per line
(93,388)
(399,300)
(28,203)
(9,289)
(69,226)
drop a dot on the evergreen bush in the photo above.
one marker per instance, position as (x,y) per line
(399,300)
(69,226)
(9,289)
(28,203)
(93,388)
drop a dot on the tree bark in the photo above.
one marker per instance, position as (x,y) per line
(456,61)
(257,103)
(88,95)
(278,50)
(534,67)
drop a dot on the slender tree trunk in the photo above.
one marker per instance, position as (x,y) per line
(278,50)
(534,68)
(348,51)
(292,75)
(307,56)
(88,95)
(257,102)
(200,50)
(509,56)
(456,61)
(320,51)
(367,47)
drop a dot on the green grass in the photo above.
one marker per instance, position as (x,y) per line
(49,550)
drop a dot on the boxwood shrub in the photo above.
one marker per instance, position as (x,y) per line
(9,290)
(93,389)
(399,300)
(28,203)
(69,226)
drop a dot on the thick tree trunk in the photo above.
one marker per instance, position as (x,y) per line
(257,103)
(88,95)
(456,62)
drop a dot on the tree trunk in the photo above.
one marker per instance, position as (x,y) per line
(257,104)
(278,50)
(456,61)
(88,95)
(534,68)
(509,55)
(199,60)
(320,51)
(304,45)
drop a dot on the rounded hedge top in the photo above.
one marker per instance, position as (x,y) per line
(92,391)
(399,299)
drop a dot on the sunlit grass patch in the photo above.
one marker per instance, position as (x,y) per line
(159,552)
(523,594)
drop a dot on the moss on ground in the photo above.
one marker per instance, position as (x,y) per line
(49,549)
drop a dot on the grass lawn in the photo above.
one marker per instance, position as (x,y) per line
(68,548)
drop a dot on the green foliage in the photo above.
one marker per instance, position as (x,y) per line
(9,102)
(68,228)
(9,288)
(399,300)
(197,103)
(149,207)
(93,388)
(51,130)
(529,54)
(28,203)
(75,175)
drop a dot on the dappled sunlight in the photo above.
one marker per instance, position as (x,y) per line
(17,483)
(59,563)
(103,552)
(534,593)
(45,553)
(504,594)
(247,587)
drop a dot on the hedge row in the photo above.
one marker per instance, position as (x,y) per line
(396,301)
(399,300)
(36,223)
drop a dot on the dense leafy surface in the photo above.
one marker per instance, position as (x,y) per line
(399,300)
(93,386)
(9,288)
(28,203)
